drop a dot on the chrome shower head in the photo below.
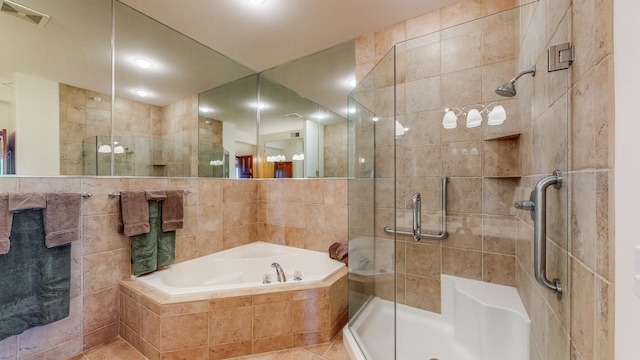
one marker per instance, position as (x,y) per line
(509,89)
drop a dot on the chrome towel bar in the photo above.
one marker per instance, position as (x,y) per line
(416,233)
(537,204)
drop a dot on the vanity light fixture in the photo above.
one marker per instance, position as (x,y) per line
(143,63)
(474,117)
(142,93)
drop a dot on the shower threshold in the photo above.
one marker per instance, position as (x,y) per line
(420,334)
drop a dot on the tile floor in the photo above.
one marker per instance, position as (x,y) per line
(118,349)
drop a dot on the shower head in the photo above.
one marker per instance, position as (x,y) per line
(509,89)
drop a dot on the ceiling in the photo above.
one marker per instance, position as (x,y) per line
(278,31)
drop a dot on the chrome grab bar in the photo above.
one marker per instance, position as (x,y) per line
(417,204)
(537,204)
(417,233)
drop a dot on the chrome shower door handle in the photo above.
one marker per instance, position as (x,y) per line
(538,206)
(416,216)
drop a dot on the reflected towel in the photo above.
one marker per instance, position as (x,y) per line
(5,223)
(340,252)
(172,211)
(155,195)
(24,201)
(135,212)
(61,219)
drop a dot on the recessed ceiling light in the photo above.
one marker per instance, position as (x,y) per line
(352,82)
(375,118)
(205,109)
(143,63)
(142,93)
(351,110)
(256,2)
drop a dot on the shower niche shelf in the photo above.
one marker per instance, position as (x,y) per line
(501,156)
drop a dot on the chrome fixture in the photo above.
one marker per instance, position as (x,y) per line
(537,204)
(496,116)
(509,89)
(297,275)
(266,278)
(281,277)
(416,233)
(561,56)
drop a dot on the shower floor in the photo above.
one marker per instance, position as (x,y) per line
(420,334)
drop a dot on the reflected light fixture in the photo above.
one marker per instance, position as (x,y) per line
(375,118)
(143,63)
(400,130)
(352,83)
(142,93)
(256,2)
(496,116)
(205,109)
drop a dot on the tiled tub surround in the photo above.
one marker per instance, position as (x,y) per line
(218,214)
(229,324)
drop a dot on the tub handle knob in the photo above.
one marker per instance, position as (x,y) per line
(297,275)
(266,278)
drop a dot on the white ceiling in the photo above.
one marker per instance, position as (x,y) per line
(277,31)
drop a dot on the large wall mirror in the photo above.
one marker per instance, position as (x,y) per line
(179,109)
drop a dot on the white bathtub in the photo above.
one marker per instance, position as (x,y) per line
(242,267)
(479,321)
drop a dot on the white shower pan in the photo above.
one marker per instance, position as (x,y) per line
(479,321)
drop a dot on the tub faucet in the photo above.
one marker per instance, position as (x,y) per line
(279,272)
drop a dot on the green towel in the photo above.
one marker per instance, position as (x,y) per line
(155,249)
(35,280)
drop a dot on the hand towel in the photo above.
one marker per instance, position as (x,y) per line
(340,252)
(24,201)
(5,223)
(135,212)
(155,249)
(61,219)
(155,195)
(172,211)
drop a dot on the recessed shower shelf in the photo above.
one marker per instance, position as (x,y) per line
(502,137)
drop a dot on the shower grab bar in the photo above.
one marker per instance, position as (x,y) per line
(416,233)
(537,204)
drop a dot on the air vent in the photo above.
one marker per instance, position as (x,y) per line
(24,13)
(294,115)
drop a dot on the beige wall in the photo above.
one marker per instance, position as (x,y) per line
(565,121)
(218,214)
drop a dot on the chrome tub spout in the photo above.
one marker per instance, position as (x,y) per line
(279,272)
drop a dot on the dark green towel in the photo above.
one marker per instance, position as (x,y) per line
(35,280)
(154,249)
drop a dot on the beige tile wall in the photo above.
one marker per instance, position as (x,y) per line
(335,150)
(456,67)
(218,214)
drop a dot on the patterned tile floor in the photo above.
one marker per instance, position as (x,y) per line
(118,349)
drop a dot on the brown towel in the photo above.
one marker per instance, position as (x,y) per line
(24,201)
(340,252)
(155,195)
(135,212)
(172,211)
(5,223)
(61,219)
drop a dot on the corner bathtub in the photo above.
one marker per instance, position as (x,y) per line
(242,267)
(216,306)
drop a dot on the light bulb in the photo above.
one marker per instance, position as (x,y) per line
(497,116)
(143,63)
(450,120)
(474,119)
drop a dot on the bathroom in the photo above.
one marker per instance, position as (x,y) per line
(582,324)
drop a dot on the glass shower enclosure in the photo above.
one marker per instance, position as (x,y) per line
(427,116)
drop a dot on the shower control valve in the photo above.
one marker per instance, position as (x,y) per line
(525,205)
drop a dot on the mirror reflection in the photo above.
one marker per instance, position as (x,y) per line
(57,115)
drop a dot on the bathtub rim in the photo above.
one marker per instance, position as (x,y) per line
(139,288)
